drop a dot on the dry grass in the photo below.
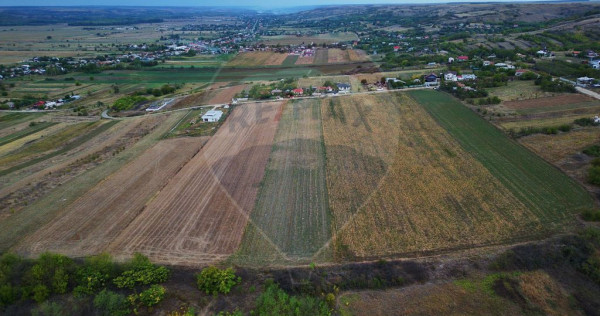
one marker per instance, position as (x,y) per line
(225,95)
(555,148)
(541,122)
(548,101)
(337,55)
(305,60)
(357,55)
(249,59)
(399,183)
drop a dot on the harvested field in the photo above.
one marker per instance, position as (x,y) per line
(195,99)
(87,226)
(39,180)
(12,119)
(199,217)
(250,59)
(521,122)
(291,221)
(552,196)
(305,60)
(564,99)
(357,55)
(398,183)
(224,95)
(32,129)
(336,55)
(321,56)
(43,210)
(59,142)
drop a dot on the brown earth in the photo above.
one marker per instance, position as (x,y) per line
(226,94)
(336,55)
(200,216)
(305,60)
(88,225)
(549,101)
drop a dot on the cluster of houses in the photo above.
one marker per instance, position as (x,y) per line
(342,88)
(21,70)
(51,104)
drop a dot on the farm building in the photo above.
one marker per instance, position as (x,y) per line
(212,116)
(431,78)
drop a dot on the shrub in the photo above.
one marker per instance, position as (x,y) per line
(591,215)
(152,295)
(594,175)
(111,303)
(94,273)
(126,103)
(274,301)
(593,151)
(213,280)
(142,275)
(40,293)
(585,121)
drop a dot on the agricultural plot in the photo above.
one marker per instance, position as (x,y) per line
(565,101)
(305,60)
(64,140)
(251,59)
(321,56)
(89,224)
(549,194)
(44,209)
(357,55)
(12,119)
(398,183)
(224,95)
(327,38)
(290,60)
(200,215)
(32,129)
(290,221)
(336,55)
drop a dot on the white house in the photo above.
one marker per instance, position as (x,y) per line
(450,76)
(212,116)
(594,63)
(468,77)
(584,81)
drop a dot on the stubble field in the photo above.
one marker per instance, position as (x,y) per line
(199,217)
(290,221)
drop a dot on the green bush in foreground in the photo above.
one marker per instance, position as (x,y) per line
(591,215)
(594,175)
(141,272)
(275,301)
(593,151)
(213,280)
(111,303)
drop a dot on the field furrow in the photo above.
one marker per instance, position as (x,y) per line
(399,183)
(290,221)
(201,214)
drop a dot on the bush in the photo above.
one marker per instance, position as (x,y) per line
(40,293)
(593,151)
(213,280)
(152,296)
(274,301)
(111,303)
(585,121)
(93,275)
(50,275)
(591,215)
(126,103)
(141,272)
(594,175)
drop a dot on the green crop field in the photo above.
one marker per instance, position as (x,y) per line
(290,60)
(553,196)
(291,218)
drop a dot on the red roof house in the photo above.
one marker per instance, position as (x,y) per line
(462,58)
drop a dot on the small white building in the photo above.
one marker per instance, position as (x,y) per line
(212,116)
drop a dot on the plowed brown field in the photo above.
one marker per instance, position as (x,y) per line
(88,225)
(225,95)
(199,217)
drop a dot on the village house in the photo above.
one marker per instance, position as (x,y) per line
(584,81)
(343,87)
(431,77)
(298,91)
(463,58)
(450,76)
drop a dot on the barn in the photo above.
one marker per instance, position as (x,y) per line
(212,116)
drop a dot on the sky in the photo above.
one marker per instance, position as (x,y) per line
(245,3)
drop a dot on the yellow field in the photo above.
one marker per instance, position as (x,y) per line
(399,183)
(257,59)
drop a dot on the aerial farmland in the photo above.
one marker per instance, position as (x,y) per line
(337,160)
